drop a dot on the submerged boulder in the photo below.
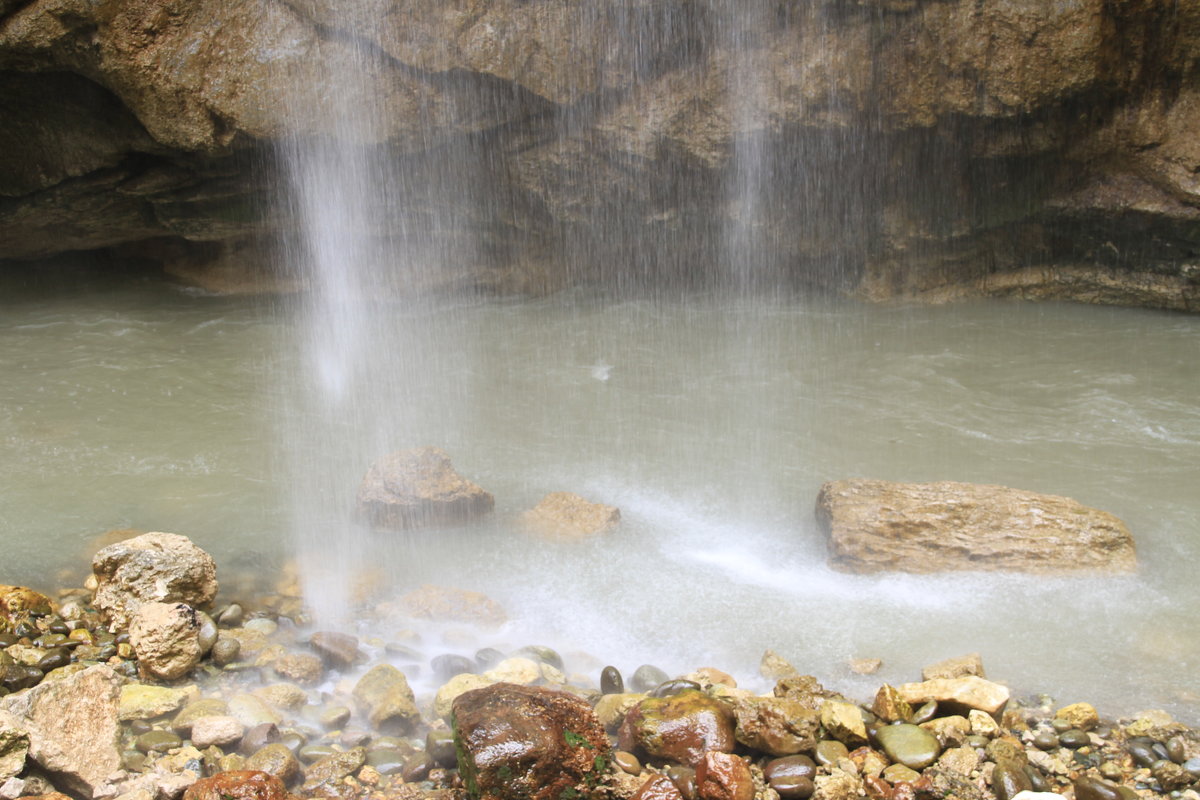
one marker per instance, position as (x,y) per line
(419,488)
(151,568)
(568,515)
(528,742)
(877,526)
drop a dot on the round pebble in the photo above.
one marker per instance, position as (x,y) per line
(58,657)
(387,760)
(157,741)
(1046,740)
(488,657)
(208,632)
(448,665)
(440,746)
(798,766)
(1008,781)
(231,616)
(611,681)
(1074,739)
(627,762)
(684,779)
(314,752)
(925,713)
(1192,765)
(646,677)
(914,747)
(829,752)
(1176,749)
(1142,751)
(545,655)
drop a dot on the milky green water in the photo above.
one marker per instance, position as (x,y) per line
(711,422)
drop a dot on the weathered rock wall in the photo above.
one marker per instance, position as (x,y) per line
(891,149)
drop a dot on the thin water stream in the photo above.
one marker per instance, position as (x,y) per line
(710,421)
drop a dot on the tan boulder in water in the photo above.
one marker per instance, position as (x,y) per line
(567,515)
(419,488)
(877,526)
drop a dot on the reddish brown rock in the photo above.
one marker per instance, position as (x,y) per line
(527,742)
(680,728)
(419,488)
(876,526)
(238,785)
(722,776)
(658,787)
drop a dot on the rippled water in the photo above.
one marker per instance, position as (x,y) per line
(711,422)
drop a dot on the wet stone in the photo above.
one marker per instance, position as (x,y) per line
(674,687)
(1046,740)
(680,728)
(335,766)
(275,759)
(259,736)
(1142,751)
(416,767)
(684,779)
(611,681)
(657,787)
(387,760)
(909,745)
(1009,780)
(440,746)
(225,650)
(925,712)
(646,677)
(791,776)
(488,657)
(1096,789)
(448,665)
(339,650)
(724,776)
(1176,750)
(627,762)
(1074,739)
(1192,765)
(157,741)
(541,654)
(829,751)
(311,753)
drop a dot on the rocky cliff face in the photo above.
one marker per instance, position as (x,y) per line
(890,149)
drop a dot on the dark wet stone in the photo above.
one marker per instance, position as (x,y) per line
(680,728)
(915,748)
(829,751)
(8,639)
(25,630)
(440,746)
(1096,789)
(207,635)
(791,776)
(1192,765)
(611,681)
(545,655)
(1074,739)
(1046,740)
(58,625)
(1171,776)
(49,640)
(673,687)
(646,677)
(527,741)
(157,741)
(417,767)
(684,779)
(627,762)
(338,650)
(133,760)
(1009,780)
(15,677)
(1037,780)
(292,740)
(488,657)
(139,726)
(447,666)
(1141,750)
(58,657)
(1176,749)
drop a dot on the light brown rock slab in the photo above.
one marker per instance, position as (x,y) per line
(419,488)
(964,693)
(567,515)
(882,526)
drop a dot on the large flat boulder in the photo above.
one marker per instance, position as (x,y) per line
(879,526)
(419,488)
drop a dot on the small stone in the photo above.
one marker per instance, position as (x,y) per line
(339,650)
(958,694)
(627,762)
(844,722)
(889,706)
(440,746)
(611,709)
(277,761)
(1079,715)
(448,665)
(384,695)
(1074,739)
(1046,740)
(1095,789)
(225,651)
(231,616)
(251,711)
(610,681)
(146,701)
(962,760)
(909,745)
(165,637)
(958,667)
(283,695)
(646,677)
(658,787)
(724,776)
(774,666)
(219,731)
(829,752)
(444,699)
(865,666)
(303,668)
(208,707)
(982,724)
(237,785)
(791,776)
(1009,780)
(518,670)
(157,741)
(897,773)
(679,728)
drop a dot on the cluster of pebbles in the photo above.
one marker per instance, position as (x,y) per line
(270,709)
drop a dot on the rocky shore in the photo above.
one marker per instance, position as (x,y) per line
(148,684)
